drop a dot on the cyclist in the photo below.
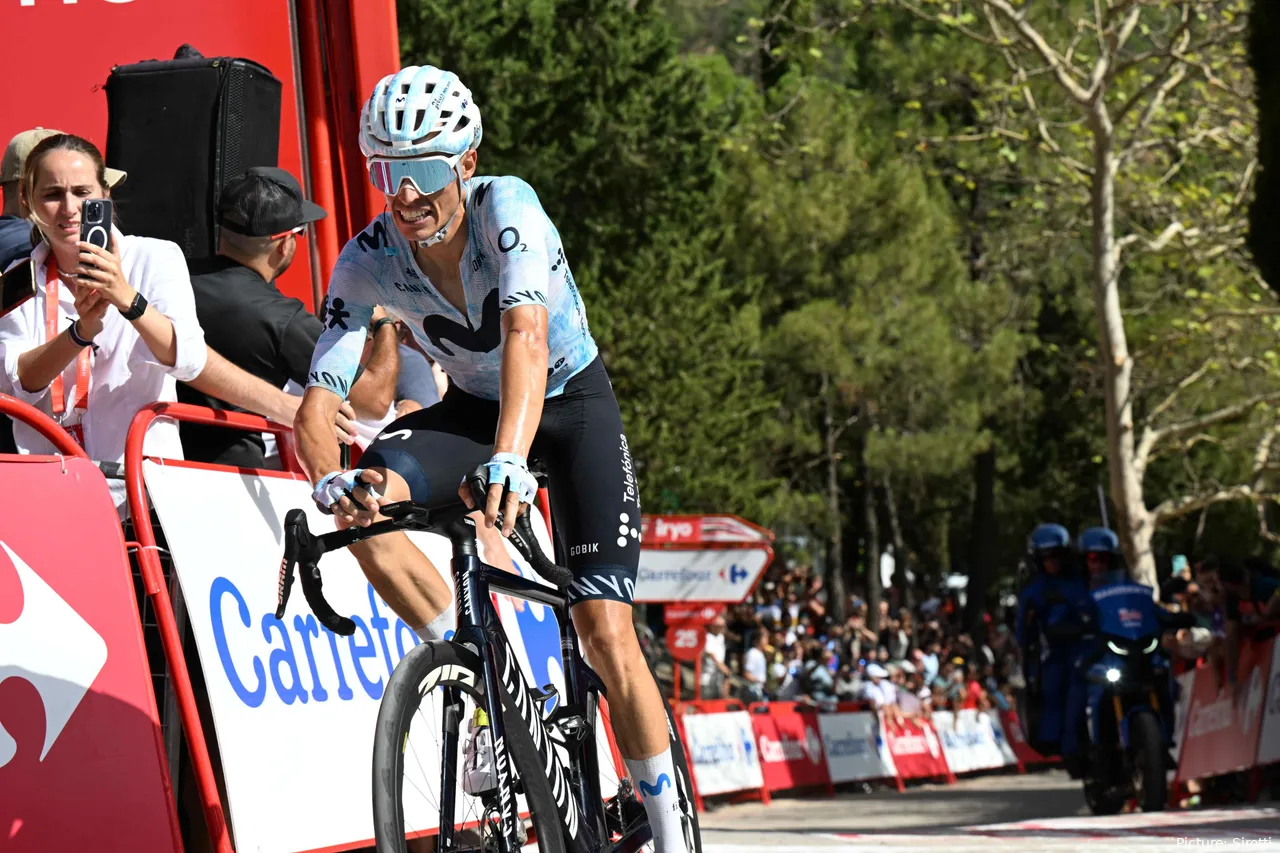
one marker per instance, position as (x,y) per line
(476,269)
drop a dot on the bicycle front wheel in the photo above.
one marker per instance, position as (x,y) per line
(434,691)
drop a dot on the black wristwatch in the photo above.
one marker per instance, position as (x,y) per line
(136,309)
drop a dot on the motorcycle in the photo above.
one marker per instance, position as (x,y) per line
(1129,713)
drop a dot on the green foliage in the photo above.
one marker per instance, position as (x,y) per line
(820,236)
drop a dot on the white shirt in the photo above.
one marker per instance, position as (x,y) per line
(124,376)
(714,647)
(881,694)
(754,665)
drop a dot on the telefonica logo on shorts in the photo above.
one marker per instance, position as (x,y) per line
(334,665)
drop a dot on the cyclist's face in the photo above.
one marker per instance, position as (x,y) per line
(420,215)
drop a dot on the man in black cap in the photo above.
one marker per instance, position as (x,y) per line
(262,215)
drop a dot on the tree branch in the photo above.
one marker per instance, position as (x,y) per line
(1178,507)
(1152,437)
(1182,386)
(1032,36)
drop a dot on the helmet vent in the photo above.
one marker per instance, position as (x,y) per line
(399,119)
(417,121)
(463,122)
(431,87)
(404,89)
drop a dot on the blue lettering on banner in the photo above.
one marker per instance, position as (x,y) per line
(844,746)
(221,586)
(247,673)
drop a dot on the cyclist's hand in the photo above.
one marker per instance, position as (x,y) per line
(510,486)
(350,496)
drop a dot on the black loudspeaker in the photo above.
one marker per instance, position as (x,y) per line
(182,128)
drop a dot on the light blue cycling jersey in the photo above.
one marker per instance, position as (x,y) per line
(513,257)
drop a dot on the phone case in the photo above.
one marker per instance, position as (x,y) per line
(95,222)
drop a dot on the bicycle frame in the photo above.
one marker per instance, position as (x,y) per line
(582,817)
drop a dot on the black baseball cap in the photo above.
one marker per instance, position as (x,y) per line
(265,200)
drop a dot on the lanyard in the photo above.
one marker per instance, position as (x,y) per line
(51,282)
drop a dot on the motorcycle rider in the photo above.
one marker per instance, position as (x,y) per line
(1048,631)
(1099,548)
(1132,601)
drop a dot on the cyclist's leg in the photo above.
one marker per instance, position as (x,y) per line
(423,456)
(596,504)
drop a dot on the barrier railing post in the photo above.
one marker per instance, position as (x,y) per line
(157,591)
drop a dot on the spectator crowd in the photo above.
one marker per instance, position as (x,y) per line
(784,645)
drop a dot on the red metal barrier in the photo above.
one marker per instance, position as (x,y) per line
(45,425)
(153,580)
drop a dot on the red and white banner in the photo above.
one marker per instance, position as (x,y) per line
(1018,740)
(678,614)
(1223,726)
(81,761)
(916,749)
(1269,742)
(791,753)
(699,530)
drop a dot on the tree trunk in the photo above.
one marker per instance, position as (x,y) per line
(982,535)
(873,549)
(900,561)
(1133,521)
(899,546)
(836,597)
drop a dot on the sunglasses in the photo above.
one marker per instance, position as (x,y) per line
(428,175)
(300,230)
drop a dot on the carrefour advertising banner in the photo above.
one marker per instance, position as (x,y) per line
(722,750)
(294,706)
(855,747)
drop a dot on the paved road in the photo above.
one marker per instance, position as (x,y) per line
(990,814)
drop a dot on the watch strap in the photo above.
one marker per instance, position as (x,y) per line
(136,309)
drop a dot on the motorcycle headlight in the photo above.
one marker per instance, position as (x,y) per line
(1120,650)
(1113,675)
(1151,647)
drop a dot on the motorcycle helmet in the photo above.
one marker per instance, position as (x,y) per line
(1100,549)
(1049,545)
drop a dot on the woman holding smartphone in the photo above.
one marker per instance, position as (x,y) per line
(110,329)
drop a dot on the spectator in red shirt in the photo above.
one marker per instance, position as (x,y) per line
(974,696)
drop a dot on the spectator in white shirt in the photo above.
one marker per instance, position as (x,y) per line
(713,652)
(124,315)
(877,690)
(130,362)
(755,667)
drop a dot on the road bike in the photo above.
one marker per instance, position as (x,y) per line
(544,747)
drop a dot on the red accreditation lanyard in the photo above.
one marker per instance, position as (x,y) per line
(51,282)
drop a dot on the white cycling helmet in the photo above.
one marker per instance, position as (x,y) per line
(419,111)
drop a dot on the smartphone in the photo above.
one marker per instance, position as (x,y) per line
(95,222)
(17,285)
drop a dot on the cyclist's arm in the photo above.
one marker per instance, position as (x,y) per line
(516,228)
(346,311)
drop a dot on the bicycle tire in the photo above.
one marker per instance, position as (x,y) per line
(401,701)
(684,781)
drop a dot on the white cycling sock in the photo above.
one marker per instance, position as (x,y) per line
(439,626)
(655,779)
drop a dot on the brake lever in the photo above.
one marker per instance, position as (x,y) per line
(521,535)
(302,547)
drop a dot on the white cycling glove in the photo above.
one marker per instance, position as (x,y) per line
(512,472)
(338,485)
